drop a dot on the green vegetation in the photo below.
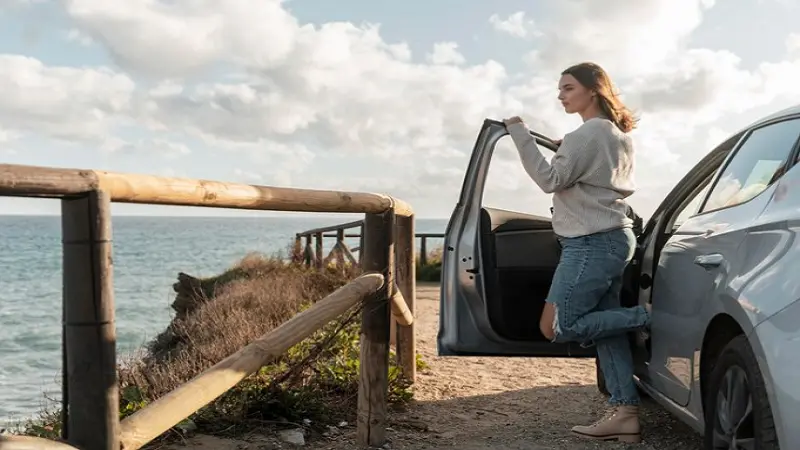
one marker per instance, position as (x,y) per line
(315,383)
(431,271)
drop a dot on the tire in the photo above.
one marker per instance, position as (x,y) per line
(736,367)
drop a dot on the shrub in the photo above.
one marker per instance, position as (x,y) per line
(431,271)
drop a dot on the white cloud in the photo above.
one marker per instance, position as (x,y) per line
(145,148)
(345,89)
(62,102)
(793,43)
(175,38)
(628,37)
(7,136)
(516,24)
(446,53)
(292,92)
(246,176)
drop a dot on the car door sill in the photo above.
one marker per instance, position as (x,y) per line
(680,412)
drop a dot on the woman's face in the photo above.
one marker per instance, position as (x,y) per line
(574,96)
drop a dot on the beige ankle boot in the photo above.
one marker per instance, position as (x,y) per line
(620,424)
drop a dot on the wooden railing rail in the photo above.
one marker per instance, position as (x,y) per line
(14,442)
(90,390)
(35,181)
(312,256)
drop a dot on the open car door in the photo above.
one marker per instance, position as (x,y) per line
(496,270)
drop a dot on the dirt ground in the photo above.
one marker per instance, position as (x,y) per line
(489,403)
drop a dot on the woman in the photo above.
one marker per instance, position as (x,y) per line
(590,177)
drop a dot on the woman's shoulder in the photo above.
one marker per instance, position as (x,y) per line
(598,126)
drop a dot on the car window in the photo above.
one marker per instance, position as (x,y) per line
(691,207)
(509,187)
(759,162)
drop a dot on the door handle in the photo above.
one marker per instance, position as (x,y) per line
(710,261)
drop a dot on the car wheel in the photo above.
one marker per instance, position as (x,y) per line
(601,380)
(738,414)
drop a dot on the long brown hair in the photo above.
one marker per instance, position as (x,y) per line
(593,77)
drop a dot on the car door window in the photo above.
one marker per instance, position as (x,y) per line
(691,207)
(509,187)
(758,163)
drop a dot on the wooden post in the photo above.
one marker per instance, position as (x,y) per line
(340,249)
(378,251)
(361,247)
(64,377)
(406,282)
(88,296)
(423,251)
(297,251)
(309,252)
(319,250)
(349,255)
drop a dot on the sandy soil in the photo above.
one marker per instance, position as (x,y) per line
(490,403)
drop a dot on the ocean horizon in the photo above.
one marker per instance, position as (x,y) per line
(149,252)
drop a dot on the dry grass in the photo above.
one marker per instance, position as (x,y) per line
(317,379)
(218,316)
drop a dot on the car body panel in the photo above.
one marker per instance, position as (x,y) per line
(681,382)
(770,276)
(683,290)
(656,234)
(688,297)
(769,287)
(775,343)
(747,299)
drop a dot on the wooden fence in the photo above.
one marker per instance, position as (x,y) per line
(90,394)
(402,338)
(341,253)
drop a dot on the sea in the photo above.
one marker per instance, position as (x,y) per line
(148,253)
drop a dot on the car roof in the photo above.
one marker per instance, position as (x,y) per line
(790,111)
(780,114)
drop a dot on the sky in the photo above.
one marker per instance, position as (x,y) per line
(372,96)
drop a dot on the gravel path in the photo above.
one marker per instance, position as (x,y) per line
(496,403)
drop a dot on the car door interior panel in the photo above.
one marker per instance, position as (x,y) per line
(496,271)
(520,253)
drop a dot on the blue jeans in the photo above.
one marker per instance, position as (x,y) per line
(586,293)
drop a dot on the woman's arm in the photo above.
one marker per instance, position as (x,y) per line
(567,165)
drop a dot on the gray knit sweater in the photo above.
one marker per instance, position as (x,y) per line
(590,176)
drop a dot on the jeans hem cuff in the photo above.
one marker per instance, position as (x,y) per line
(624,402)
